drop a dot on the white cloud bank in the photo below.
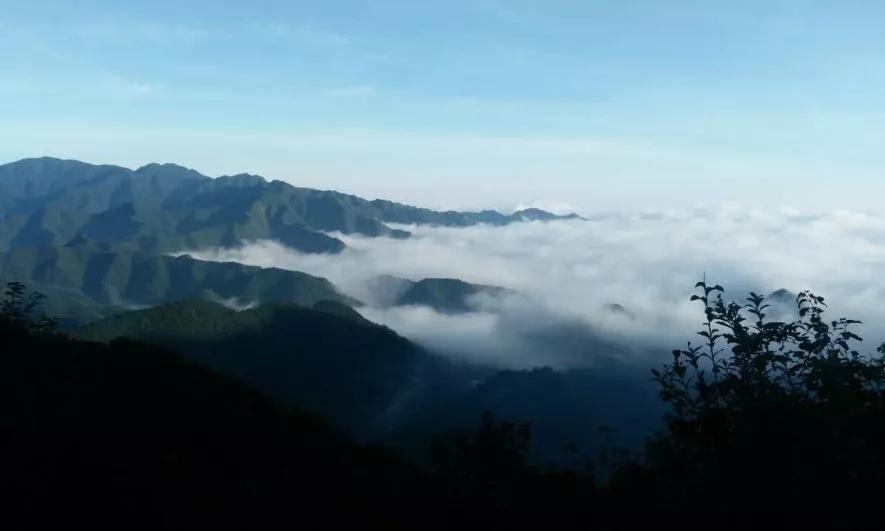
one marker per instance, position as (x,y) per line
(567,275)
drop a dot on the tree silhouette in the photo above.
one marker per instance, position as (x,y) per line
(780,422)
(21,309)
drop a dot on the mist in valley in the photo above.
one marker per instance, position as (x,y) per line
(585,293)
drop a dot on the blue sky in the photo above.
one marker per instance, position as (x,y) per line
(465,103)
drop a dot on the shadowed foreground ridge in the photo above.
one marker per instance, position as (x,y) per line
(130,436)
(325,358)
(775,425)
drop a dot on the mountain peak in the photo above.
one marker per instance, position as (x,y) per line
(29,167)
(446,295)
(536,214)
(168,169)
(153,166)
(242,180)
(28,161)
(782,295)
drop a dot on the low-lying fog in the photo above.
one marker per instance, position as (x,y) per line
(567,276)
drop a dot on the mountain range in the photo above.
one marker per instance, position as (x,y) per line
(96,238)
(162,208)
(105,245)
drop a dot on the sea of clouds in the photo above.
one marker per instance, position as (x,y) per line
(566,276)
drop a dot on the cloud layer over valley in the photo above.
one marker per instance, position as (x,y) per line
(568,277)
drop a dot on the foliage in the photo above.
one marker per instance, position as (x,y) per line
(745,358)
(496,452)
(22,310)
(782,420)
(489,468)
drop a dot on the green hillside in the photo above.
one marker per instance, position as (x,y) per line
(85,280)
(367,380)
(127,435)
(326,359)
(131,436)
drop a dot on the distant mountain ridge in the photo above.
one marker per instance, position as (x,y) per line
(162,208)
(85,280)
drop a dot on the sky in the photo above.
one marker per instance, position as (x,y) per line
(586,105)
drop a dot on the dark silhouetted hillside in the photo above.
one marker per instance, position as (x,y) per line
(326,359)
(126,435)
(130,436)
